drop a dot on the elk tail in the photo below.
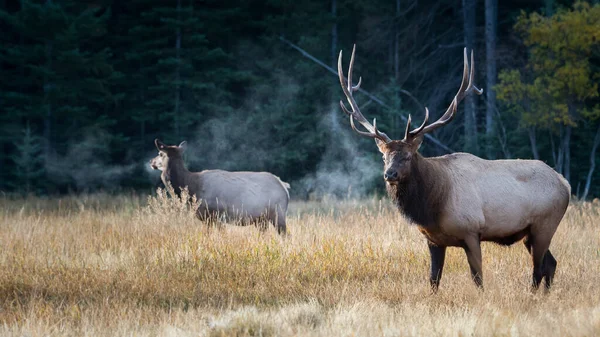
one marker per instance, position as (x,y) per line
(286,186)
(565,184)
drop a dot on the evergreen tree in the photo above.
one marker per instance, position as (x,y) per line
(28,161)
(61,72)
(179,78)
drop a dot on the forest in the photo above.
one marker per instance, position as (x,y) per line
(250,85)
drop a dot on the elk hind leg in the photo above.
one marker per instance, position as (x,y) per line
(537,248)
(548,269)
(277,217)
(281,225)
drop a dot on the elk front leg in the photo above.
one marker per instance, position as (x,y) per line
(473,250)
(438,255)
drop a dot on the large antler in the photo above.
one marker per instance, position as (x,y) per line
(467,86)
(355,113)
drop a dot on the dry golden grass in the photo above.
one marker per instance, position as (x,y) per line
(104,266)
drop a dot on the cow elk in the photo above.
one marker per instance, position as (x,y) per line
(460,200)
(245,197)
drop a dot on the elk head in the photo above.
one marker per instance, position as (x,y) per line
(165,152)
(397,154)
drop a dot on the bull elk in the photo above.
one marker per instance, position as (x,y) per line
(460,200)
(247,197)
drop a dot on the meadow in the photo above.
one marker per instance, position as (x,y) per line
(103,265)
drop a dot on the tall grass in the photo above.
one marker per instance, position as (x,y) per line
(104,265)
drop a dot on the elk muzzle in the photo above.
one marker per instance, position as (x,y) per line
(153,165)
(391,176)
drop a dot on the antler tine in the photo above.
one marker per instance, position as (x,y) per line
(362,133)
(472,76)
(420,128)
(464,85)
(345,109)
(466,73)
(467,86)
(407,131)
(357,86)
(351,67)
(379,134)
(468,80)
(375,134)
(348,89)
(408,135)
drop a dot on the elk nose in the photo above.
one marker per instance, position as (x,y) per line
(390,175)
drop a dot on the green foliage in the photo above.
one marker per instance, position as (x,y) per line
(557,90)
(560,78)
(530,102)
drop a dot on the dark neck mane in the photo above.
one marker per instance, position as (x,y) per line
(422,196)
(176,174)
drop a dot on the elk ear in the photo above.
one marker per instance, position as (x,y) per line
(416,142)
(159,145)
(183,145)
(380,145)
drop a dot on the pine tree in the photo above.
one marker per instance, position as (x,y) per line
(179,77)
(28,161)
(61,75)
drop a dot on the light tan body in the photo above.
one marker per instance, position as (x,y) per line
(499,198)
(244,196)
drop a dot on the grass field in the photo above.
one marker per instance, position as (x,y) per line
(116,266)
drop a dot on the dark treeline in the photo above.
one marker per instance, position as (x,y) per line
(88,85)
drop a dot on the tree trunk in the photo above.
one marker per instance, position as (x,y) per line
(491,22)
(567,153)
(588,181)
(470,106)
(178,73)
(560,152)
(553,149)
(532,140)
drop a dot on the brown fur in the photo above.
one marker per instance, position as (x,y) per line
(423,195)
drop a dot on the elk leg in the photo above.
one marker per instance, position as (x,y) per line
(527,243)
(281,227)
(279,221)
(536,278)
(473,250)
(438,255)
(538,249)
(548,268)
(262,223)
